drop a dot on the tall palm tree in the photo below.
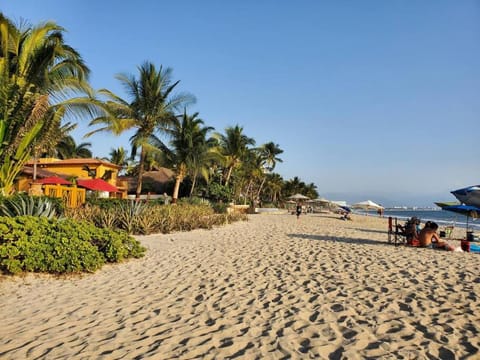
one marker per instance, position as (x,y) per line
(268,153)
(42,80)
(233,146)
(67,148)
(150,108)
(188,138)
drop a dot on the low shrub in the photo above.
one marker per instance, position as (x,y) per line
(147,218)
(39,244)
(220,207)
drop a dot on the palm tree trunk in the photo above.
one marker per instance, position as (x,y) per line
(194,181)
(229,174)
(141,166)
(261,186)
(247,190)
(176,189)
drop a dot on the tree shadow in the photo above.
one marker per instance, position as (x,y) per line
(345,240)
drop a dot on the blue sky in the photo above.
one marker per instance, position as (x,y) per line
(371,100)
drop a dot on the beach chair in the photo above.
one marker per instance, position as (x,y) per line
(396,232)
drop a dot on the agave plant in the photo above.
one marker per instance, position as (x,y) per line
(28,205)
(128,214)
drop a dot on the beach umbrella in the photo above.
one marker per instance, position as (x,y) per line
(96,185)
(367,205)
(53,180)
(298,197)
(468,210)
(447,203)
(469,195)
(321,201)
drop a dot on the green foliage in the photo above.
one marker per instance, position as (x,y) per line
(39,244)
(128,214)
(40,79)
(218,192)
(194,200)
(220,207)
(151,217)
(23,204)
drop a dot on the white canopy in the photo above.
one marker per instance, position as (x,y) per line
(367,205)
(298,197)
(320,200)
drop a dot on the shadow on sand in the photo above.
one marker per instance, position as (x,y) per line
(372,231)
(345,240)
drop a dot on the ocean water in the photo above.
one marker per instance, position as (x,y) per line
(441,217)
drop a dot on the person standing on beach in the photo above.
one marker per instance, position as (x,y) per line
(299,210)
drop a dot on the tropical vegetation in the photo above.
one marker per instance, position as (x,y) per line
(44,82)
(44,89)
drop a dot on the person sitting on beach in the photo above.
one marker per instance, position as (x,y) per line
(411,230)
(428,237)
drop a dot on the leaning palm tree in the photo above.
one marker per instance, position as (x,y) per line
(42,80)
(150,108)
(233,146)
(188,138)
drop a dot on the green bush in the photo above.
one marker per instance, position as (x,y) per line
(220,207)
(39,244)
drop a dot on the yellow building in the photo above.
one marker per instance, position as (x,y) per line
(72,168)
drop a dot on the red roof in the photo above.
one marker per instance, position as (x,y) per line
(96,185)
(54,180)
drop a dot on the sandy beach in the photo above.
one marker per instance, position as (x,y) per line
(273,287)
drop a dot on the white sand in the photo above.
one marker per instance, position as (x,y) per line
(272,287)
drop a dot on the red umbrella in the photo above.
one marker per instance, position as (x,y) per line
(54,180)
(96,185)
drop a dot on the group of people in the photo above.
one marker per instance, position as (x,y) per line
(424,237)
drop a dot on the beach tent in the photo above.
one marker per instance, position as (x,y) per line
(367,205)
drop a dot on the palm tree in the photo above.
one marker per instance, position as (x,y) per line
(268,153)
(233,146)
(249,173)
(118,156)
(67,148)
(273,186)
(295,185)
(40,76)
(149,109)
(188,140)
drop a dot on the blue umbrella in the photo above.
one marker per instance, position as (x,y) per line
(346,208)
(467,210)
(469,195)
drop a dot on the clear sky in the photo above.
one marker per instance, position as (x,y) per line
(368,99)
